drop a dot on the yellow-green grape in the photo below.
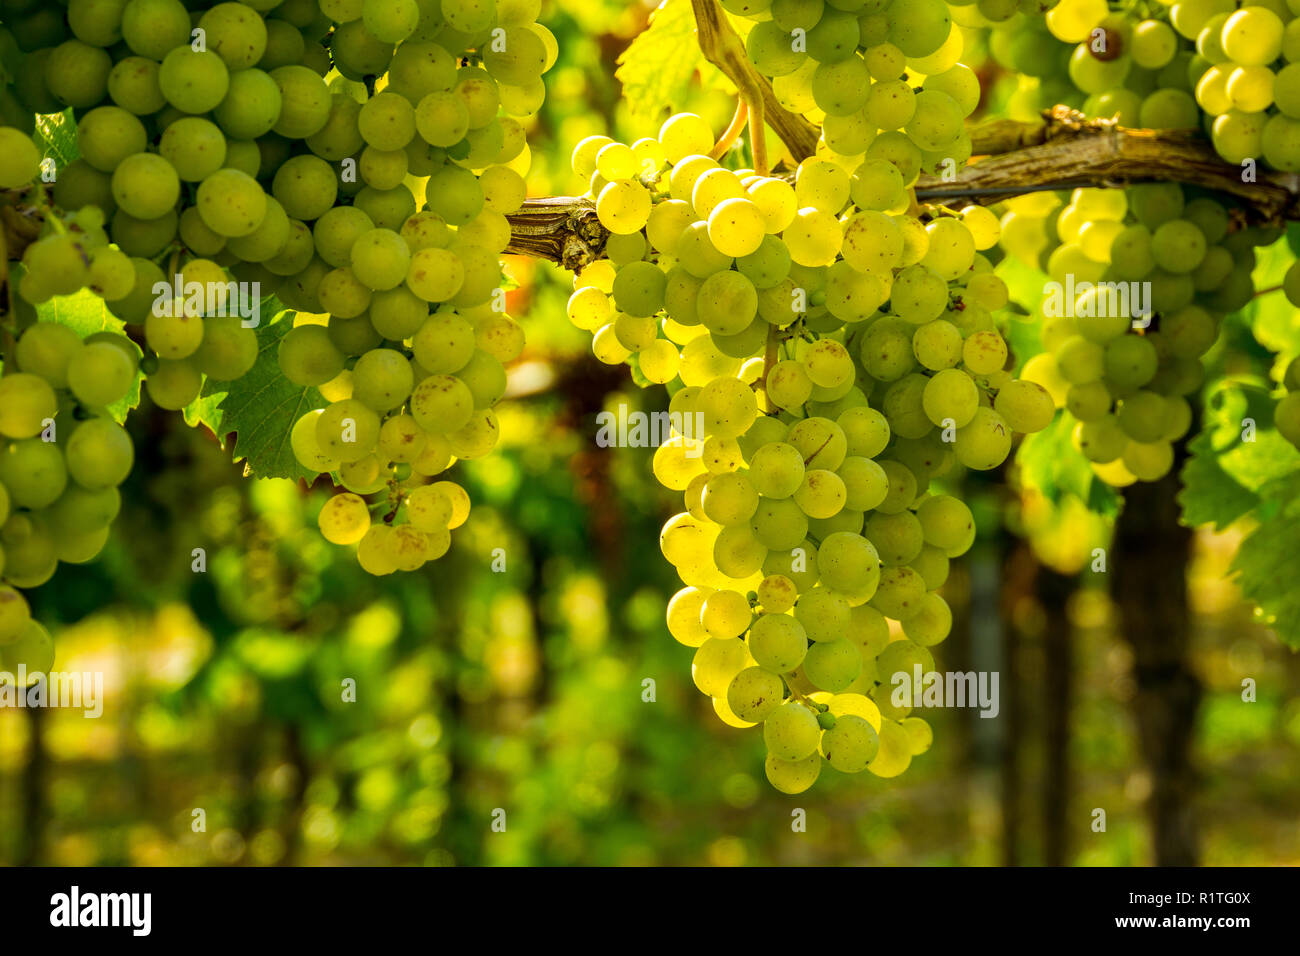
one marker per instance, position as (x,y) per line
(850,744)
(985,442)
(729,407)
(460,503)
(14,614)
(833,665)
(1286,418)
(344,519)
(821,494)
(824,614)
(347,430)
(441,404)
(145,186)
(32,651)
(755,693)
(99,454)
(950,399)
(791,732)
(1026,406)
(778,642)
(849,563)
(684,616)
(736,226)
(895,751)
(725,614)
(919,733)
(377,551)
(792,776)
(717,662)
(100,374)
(435,275)
(685,134)
(174,384)
(779,524)
(899,592)
(20,160)
(729,498)
(945,521)
(777,594)
(623,206)
(931,623)
(26,403)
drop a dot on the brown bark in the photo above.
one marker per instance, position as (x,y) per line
(1053,591)
(1148,584)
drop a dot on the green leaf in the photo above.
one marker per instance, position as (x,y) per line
(259,410)
(1025,290)
(658,67)
(1268,562)
(1238,422)
(86,314)
(1273,320)
(56,134)
(1209,494)
(1049,463)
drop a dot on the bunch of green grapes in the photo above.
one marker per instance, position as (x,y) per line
(1124,378)
(1246,77)
(829,354)
(355,158)
(1035,65)
(1203,64)
(1143,278)
(62,458)
(881,78)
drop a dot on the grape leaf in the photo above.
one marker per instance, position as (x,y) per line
(56,134)
(1270,317)
(86,314)
(1267,564)
(1209,494)
(1049,463)
(1250,454)
(1024,289)
(658,67)
(259,410)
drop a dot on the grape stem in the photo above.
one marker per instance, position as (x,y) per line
(1066,150)
(733,131)
(1273,288)
(769,360)
(722,47)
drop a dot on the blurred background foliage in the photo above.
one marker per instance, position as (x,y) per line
(478,688)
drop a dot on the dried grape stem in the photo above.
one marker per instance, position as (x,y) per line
(1065,150)
(561,229)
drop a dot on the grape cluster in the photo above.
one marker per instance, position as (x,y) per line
(831,350)
(62,457)
(1248,62)
(1121,375)
(357,158)
(1186,257)
(1201,64)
